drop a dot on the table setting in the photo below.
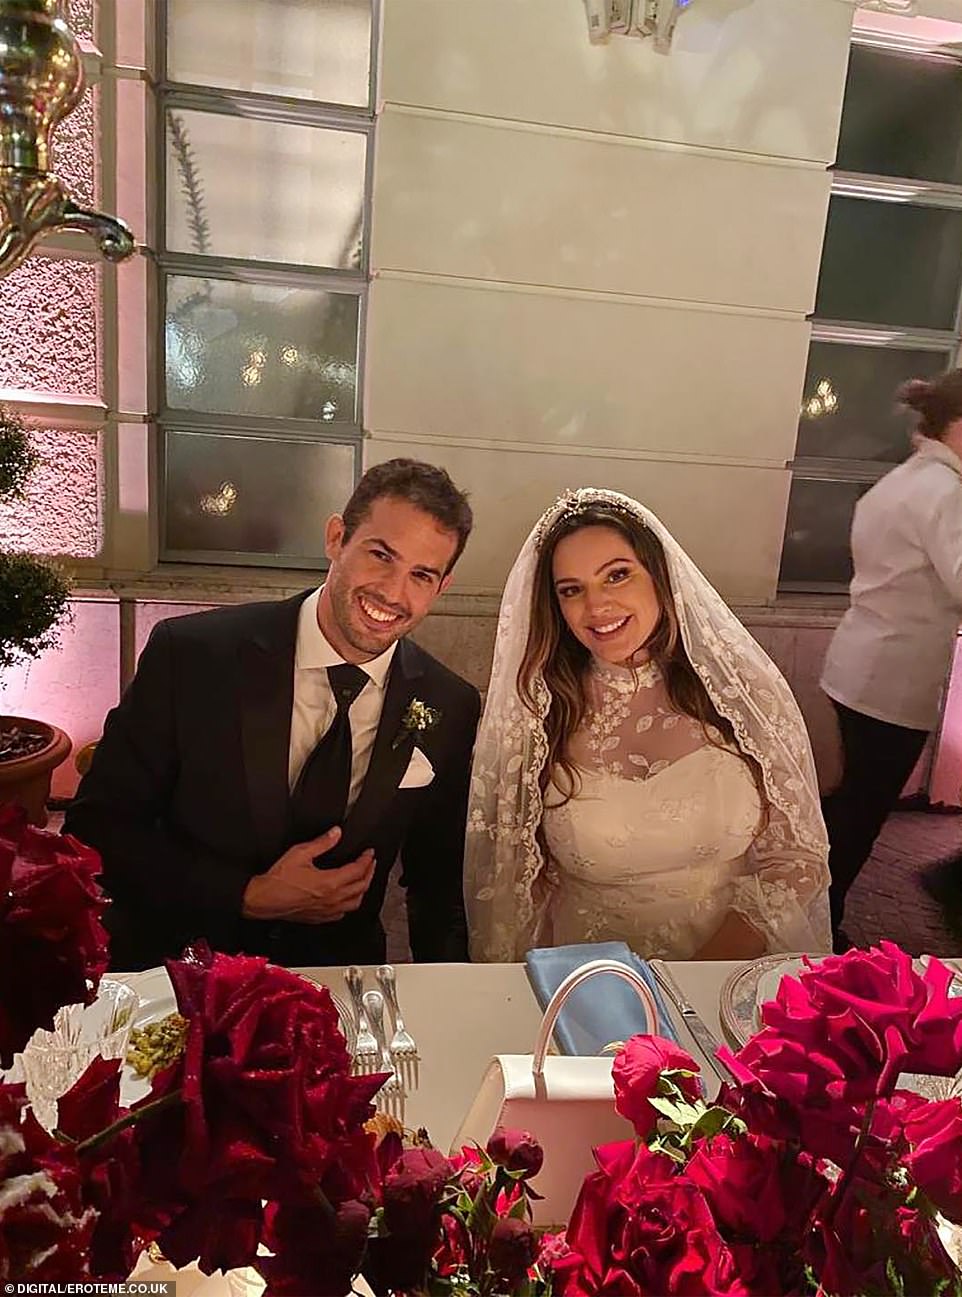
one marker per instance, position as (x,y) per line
(739,1129)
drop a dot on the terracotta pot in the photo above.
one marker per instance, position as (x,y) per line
(27,779)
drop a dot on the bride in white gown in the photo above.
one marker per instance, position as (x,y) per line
(642,772)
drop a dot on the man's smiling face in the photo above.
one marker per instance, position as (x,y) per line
(384,578)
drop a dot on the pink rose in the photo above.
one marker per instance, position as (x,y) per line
(637,1072)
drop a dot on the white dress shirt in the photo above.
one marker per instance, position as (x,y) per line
(314,707)
(892,650)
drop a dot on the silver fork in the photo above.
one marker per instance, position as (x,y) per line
(367,1056)
(390,1097)
(402,1047)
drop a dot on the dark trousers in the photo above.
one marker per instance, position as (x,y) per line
(879,758)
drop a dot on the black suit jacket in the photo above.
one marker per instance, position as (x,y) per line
(187,797)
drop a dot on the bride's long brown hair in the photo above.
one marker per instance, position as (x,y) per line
(562,660)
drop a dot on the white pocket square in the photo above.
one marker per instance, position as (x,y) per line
(419,773)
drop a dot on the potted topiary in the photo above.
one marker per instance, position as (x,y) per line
(33,599)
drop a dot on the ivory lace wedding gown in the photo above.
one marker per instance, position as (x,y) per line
(652,847)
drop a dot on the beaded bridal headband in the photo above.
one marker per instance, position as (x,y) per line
(572,503)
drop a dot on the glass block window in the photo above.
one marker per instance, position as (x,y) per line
(889,293)
(261,349)
(266,118)
(266,496)
(296,48)
(271,191)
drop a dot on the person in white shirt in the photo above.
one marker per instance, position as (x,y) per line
(888,660)
(270,761)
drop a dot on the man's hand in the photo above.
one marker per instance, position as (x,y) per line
(293,889)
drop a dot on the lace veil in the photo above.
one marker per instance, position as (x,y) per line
(508,882)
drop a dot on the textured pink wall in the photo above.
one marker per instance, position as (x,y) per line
(63,508)
(73,156)
(80,16)
(50,328)
(73,685)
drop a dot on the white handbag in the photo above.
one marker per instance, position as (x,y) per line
(566,1102)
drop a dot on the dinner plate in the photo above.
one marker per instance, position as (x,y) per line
(157,1001)
(751,985)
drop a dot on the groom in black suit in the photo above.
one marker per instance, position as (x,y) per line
(270,761)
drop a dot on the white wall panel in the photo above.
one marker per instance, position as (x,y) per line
(763,76)
(483,200)
(729,519)
(455,360)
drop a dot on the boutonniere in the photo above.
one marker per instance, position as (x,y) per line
(418,719)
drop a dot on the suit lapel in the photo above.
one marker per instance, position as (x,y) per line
(388,762)
(266,662)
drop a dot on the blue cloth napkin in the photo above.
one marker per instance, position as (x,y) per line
(605,1008)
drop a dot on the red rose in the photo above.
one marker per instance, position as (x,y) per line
(45,1227)
(512,1250)
(868,1235)
(267,1108)
(637,1071)
(639,1227)
(934,1132)
(53,948)
(412,1190)
(862,1018)
(756,1191)
(317,1252)
(109,1172)
(516,1150)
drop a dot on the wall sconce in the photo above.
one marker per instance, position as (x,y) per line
(41,81)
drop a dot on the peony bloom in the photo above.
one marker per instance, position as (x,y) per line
(516,1150)
(53,947)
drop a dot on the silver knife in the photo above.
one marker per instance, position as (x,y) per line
(703,1038)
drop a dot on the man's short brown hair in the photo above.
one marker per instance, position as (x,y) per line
(425,486)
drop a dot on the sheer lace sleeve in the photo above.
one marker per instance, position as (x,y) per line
(782,892)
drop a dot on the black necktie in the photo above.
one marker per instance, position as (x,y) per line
(320,795)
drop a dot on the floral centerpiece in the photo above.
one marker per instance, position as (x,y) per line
(810,1173)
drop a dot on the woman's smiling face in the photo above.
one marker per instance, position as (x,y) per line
(605,593)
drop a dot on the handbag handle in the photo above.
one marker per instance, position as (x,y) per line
(571,983)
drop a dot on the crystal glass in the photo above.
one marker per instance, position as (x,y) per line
(54,1060)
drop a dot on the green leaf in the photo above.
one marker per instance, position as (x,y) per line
(519,1210)
(895,1279)
(681,1113)
(711,1121)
